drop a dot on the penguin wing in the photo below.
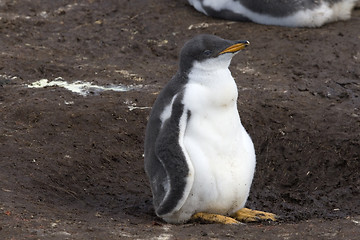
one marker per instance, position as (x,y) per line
(178,179)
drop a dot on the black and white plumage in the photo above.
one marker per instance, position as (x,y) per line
(198,156)
(291,13)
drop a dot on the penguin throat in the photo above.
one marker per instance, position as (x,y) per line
(214,64)
(212,86)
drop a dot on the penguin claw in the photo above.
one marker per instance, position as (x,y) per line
(249,215)
(213,218)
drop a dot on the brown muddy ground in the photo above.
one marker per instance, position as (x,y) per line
(71,167)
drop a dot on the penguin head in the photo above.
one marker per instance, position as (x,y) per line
(209,51)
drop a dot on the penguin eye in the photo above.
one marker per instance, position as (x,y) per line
(207,53)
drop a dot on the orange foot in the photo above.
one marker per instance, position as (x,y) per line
(243,215)
(249,215)
(213,218)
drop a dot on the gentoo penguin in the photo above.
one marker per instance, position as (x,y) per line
(198,157)
(291,13)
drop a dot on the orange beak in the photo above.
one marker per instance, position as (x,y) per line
(236,47)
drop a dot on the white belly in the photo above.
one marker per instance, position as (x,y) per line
(223,159)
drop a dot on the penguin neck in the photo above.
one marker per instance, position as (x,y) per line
(214,83)
(213,64)
(212,72)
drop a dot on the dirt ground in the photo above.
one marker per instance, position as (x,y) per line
(71,166)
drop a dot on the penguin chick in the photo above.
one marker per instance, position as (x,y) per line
(198,156)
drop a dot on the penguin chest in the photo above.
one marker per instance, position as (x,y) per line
(222,155)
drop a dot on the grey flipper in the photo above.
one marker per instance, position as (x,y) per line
(165,161)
